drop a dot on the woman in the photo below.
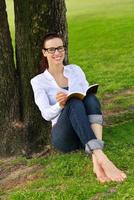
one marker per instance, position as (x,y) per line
(75,124)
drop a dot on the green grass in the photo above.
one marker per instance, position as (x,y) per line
(10,11)
(103,8)
(70,177)
(101,41)
(101,38)
(120,102)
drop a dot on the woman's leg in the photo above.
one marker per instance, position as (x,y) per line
(93,108)
(73,128)
(63,136)
(98,170)
(103,167)
(97,129)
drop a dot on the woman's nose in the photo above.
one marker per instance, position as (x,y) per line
(56,52)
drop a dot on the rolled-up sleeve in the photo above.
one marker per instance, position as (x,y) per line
(48,111)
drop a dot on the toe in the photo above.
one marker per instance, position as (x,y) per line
(101,180)
(123,175)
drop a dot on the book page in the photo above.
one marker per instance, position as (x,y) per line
(76,95)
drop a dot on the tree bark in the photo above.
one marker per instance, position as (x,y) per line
(32,21)
(11,137)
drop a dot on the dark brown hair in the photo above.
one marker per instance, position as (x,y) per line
(43,65)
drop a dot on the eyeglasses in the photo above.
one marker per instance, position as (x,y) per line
(52,50)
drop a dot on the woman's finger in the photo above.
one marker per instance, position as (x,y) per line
(61,96)
(61,99)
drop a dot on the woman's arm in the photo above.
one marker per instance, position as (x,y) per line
(48,111)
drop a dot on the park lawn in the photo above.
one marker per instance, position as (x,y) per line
(70,177)
(101,38)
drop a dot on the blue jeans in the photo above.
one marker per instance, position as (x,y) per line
(73,128)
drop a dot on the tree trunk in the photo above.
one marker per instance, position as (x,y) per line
(11,137)
(32,21)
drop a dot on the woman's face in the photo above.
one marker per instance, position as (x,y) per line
(54,51)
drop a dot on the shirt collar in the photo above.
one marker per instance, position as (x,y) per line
(50,77)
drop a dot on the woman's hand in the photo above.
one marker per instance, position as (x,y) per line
(61,97)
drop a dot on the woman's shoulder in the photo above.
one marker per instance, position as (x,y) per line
(73,67)
(37,78)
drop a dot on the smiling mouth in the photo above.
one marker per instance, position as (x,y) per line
(57,58)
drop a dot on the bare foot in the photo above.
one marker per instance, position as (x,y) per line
(110,170)
(97,169)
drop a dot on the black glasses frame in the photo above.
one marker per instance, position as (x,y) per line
(53,49)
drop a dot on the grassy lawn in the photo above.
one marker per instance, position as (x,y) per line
(70,176)
(101,38)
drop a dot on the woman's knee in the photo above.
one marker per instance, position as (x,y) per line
(91,100)
(92,104)
(75,102)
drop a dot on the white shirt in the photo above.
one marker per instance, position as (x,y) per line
(45,89)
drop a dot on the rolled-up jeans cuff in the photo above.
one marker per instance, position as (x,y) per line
(93,144)
(96,118)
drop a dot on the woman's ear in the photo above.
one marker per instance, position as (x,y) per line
(44,52)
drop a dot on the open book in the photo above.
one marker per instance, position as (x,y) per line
(92,89)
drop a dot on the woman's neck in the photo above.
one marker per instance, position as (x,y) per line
(56,69)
